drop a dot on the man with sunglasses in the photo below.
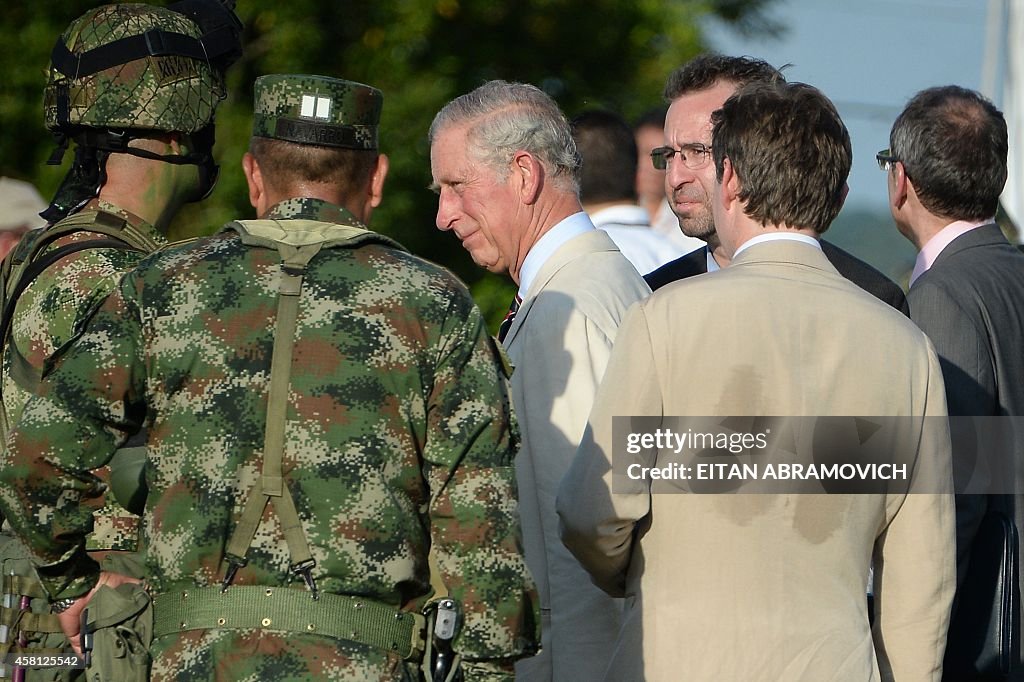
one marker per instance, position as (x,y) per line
(694,90)
(608,152)
(945,169)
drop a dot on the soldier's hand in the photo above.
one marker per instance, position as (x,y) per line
(70,618)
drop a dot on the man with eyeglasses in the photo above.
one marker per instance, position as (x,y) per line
(694,90)
(735,586)
(945,169)
(649,132)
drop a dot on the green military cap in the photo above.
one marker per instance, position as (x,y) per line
(316,110)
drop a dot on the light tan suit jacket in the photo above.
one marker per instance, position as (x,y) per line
(768,587)
(559,344)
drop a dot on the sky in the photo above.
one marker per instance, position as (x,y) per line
(869,57)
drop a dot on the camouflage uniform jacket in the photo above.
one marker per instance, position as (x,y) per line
(399,437)
(50,312)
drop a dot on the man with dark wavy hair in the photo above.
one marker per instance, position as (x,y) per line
(769,587)
(694,91)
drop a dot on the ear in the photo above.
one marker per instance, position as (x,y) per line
(901,187)
(377,181)
(529,174)
(845,192)
(730,184)
(254,178)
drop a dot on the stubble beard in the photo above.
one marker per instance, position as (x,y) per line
(701,226)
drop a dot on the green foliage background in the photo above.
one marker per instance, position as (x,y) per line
(421,53)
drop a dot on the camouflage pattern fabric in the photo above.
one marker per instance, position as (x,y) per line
(316,110)
(155,93)
(49,313)
(399,438)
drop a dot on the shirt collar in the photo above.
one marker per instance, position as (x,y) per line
(129,217)
(305,208)
(777,236)
(626,215)
(545,247)
(713,265)
(939,241)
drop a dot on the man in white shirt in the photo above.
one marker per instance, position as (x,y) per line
(506,170)
(608,191)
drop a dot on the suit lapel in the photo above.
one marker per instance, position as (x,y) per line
(696,262)
(593,241)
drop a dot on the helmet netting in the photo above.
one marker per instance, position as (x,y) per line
(170,93)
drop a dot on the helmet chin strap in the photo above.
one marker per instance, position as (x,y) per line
(88,170)
(209,170)
(83,182)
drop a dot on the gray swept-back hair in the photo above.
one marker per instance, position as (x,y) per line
(508,117)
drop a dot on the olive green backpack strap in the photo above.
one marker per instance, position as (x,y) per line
(286,237)
(16,257)
(270,233)
(100,222)
(297,242)
(32,258)
(271,486)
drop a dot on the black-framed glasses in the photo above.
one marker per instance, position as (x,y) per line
(693,156)
(885,159)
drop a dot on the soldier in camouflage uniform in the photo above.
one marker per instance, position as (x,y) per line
(141,115)
(315,427)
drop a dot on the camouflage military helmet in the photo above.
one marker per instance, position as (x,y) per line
(316,110)
(133,66)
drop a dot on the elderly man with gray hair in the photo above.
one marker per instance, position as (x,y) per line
(505,168)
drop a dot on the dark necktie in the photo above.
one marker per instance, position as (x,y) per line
(506,324)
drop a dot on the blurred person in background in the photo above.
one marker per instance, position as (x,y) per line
(608,192)
(20,206)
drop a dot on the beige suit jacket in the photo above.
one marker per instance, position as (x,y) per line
(559,344)
(768,587)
